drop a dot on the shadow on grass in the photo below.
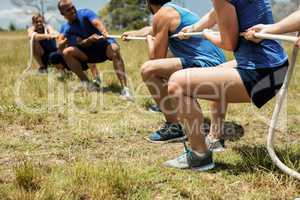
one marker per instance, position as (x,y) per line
(112,87)
(255,158)
(232,130)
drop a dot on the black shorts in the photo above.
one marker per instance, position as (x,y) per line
(56,58)
(263,84)
(96,53)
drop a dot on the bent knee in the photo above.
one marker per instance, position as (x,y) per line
(114,51)
(176,84)
(148,70)
(115,48)
(70,51)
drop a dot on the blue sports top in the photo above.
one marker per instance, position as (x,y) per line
(249,55)
(82,27)
(195,48)
(72,39)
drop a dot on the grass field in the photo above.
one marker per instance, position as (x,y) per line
(91,145)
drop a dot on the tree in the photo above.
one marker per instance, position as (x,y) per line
(35,6)
(47,8)
(12,27)
(131,14)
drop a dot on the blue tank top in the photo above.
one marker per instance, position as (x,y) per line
(249,55)
(195,48)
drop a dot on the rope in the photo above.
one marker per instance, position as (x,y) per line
(286,38)
(277,109)
(31,43)
(281,94)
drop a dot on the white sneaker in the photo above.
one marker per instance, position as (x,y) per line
(126,94)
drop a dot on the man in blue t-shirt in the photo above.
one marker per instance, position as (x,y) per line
(94,45)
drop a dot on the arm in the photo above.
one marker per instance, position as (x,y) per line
(158,47)
(143,32)
(97,23)
(289,24)
(286,25)
(52,31)
(206,22)
(38,36)
(62,42)
(228,24)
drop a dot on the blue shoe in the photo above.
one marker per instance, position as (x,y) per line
(168,133)
(191,160)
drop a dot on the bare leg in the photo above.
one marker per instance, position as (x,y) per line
(73,57)
(155,74)
(216,84)
(94,70)
(218,111)
(38,52)
(113,53)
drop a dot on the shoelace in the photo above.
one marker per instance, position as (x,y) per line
(166,129)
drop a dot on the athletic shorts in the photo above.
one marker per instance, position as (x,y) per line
(56,58)
(189,63)
(263,84)
(96,53)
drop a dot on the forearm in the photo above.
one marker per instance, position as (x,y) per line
(144,31)
(286,25)
(151,52)
(206,22)
(85,42)
(39,37)
(100,26)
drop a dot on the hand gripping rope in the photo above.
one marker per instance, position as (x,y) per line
(281,95)
(280,98)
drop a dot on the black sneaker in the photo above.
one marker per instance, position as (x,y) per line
(168,133)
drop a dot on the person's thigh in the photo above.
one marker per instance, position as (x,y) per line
(112,50)
(163,68)
(76,53)
(215,83)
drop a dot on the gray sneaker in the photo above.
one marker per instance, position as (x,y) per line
(215,145)
(190,160)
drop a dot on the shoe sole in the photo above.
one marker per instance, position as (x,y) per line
(167,141)
(127,99)
(154,111)
(218,150)
(199,169)
(204,168)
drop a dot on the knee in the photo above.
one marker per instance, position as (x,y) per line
(175,85)
(115,51)
(147,70)
(69,52)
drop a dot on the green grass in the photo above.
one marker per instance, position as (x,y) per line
(76,150)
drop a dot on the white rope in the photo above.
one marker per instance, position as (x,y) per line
(31,43)
(127,38)
(286,38)
(277,109)
(281,94)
